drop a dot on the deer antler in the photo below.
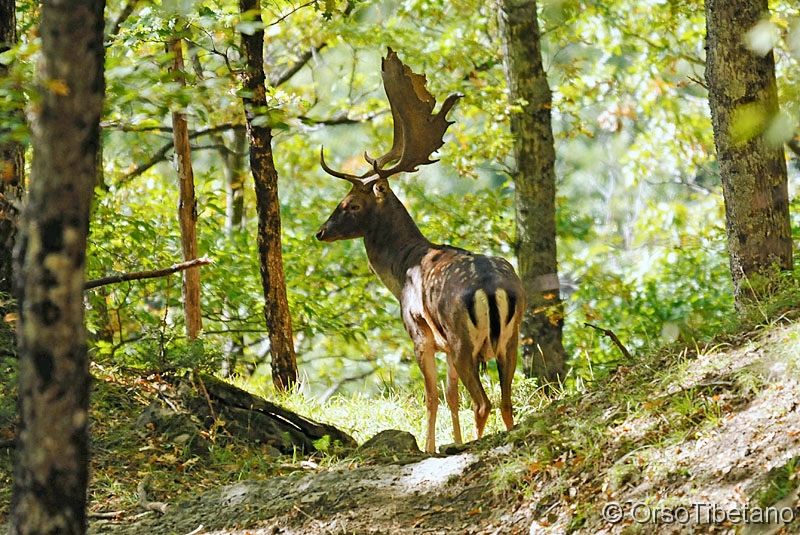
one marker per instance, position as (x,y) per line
(353,179)
(417,131)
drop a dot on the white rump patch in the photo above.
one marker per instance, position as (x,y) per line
(479,331)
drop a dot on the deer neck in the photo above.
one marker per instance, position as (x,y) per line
(394,245)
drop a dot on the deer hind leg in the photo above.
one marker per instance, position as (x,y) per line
(506,366)
(466,364)
(451,394)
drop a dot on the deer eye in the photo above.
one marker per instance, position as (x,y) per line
(354,207)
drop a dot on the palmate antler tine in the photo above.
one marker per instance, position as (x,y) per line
(419,144)
(353,179)
(417,131)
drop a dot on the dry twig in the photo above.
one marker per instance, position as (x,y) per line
(149,274)
(614,338)
(146,504)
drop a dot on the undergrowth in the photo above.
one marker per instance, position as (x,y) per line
(587,439)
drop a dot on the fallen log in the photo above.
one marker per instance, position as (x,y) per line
(253,418)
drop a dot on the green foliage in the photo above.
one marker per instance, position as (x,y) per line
(640,220)
(666,286)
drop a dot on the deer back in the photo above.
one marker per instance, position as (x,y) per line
(465,299)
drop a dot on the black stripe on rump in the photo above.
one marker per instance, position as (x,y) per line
(512,306)
(469,302)
(494,319)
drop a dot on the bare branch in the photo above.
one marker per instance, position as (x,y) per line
(794,145)
(292,11)
(149,274)
(146,504)
(613,336)
(109,515)
(161,154)
(126,12)
(338,384)
(294,68)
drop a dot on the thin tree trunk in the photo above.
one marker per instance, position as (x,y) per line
(51,468)
(12,162)
(187,204)
(752,169)
(235,171)
(534,177)
(265,176)
(234,181)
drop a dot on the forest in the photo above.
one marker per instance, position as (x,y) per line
(182,352)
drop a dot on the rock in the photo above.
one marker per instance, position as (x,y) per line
(391,440)
(453,449)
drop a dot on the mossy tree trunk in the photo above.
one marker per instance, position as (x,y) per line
(265,176)
(12,163)
(187,203)
(534,177)
(743,98)
(51,468)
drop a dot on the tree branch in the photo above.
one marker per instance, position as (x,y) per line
(278,79)
(794,145)
(149,274)
(614,338)
(161,154)
(126,12)
(144,503)
(338,384)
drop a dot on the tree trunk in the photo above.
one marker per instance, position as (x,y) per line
(262,165)
(233,158)
(12,164)
(187,204)
(753,169)
(51,468)
(534,177)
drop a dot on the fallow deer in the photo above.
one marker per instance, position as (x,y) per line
(467,305)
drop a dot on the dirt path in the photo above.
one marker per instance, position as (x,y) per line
(434,495)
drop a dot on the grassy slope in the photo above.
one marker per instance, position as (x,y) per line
(716,425)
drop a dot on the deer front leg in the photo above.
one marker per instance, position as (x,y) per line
(426,358)
(416,324)
(451,395)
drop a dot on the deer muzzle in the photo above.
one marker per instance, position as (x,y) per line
(322,234)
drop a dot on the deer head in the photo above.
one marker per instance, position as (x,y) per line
(417,134)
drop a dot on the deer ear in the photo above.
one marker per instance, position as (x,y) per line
(380,189)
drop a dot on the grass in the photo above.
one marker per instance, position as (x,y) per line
(780,483)
(118,398)
(400,408)
(634,424)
